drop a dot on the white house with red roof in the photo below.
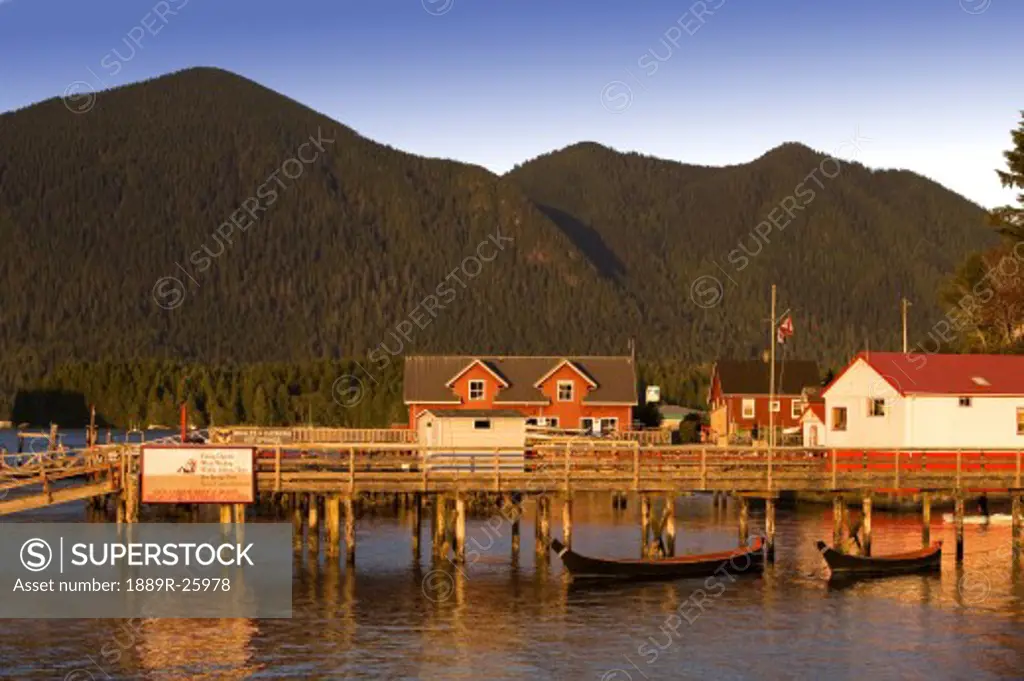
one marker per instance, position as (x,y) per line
(914,400)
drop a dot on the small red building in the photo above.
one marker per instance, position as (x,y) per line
(561,392)
(738,396)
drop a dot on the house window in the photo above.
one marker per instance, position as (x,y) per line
(876,407)
(610,424)
(565,390)
(965,401)
(775,406)
(531,421)
(748,409)
(476,390)
(552,422)
(482,424)
(838,418)
(795,409)
(1020,421)
(587,424)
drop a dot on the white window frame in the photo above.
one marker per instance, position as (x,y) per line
(846,419)
(748,402)
(587,426)
(483,390)
(572,391)
(775,406)
(552,421)
(795,409)
(614,424)
(873,404)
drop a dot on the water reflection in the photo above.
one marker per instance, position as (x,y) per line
(399,614)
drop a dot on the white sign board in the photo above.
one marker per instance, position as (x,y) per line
(653,393)
(198,475)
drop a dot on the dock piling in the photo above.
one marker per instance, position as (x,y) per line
(645,526)
(460,529)
(838,507)
(332,508)
(670,524)
(866,511)
(567,521)
(350,531)
(958,519)
(1015,519)
(543,528)
(769,528)
(926,519)
(744,520)
(314,525)
(415,507)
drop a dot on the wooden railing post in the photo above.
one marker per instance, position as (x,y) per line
(424,465)
(704,468)
(568,464)
(1016,479)
(897,476)
(835,468)
(351,470)
(497,470)
(277,469)
(959,467)
(636,466)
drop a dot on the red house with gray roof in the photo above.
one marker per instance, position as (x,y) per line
(556,391)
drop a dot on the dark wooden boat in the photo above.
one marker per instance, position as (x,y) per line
(842,565)
(738,561)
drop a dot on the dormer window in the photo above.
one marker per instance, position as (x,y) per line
(476,390)
(565,391)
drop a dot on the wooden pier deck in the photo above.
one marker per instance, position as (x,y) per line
(355,468)
(309,481)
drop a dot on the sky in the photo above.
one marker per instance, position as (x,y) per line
(932,86)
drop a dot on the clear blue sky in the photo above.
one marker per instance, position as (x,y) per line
(934,85)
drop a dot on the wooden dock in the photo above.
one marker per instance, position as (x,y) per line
(311,481)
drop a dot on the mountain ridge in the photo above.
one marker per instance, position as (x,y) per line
(99,208)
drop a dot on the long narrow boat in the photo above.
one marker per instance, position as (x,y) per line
(738,561)
(843,565)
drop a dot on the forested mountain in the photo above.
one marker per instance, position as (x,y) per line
(852,241)
(110,249)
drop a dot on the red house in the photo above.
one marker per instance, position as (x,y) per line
(560,392)
(739,395)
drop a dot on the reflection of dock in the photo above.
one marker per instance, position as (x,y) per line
(198,648)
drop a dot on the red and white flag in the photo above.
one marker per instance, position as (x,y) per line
(785,329)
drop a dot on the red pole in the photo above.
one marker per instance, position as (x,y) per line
(184,420)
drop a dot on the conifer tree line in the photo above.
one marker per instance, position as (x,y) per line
(326,393)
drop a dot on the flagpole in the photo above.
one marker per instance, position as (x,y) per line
(903,312)
(771,377)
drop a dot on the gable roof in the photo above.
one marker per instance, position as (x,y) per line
(961,375)
(426,377)
(558,366)
(752,377)
(470,365)
(814,409)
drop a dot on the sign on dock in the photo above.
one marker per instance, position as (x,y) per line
(198,475)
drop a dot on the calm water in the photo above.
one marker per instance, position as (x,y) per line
(496,620)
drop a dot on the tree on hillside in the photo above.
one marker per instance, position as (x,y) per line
(1010,219)
(985,298)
